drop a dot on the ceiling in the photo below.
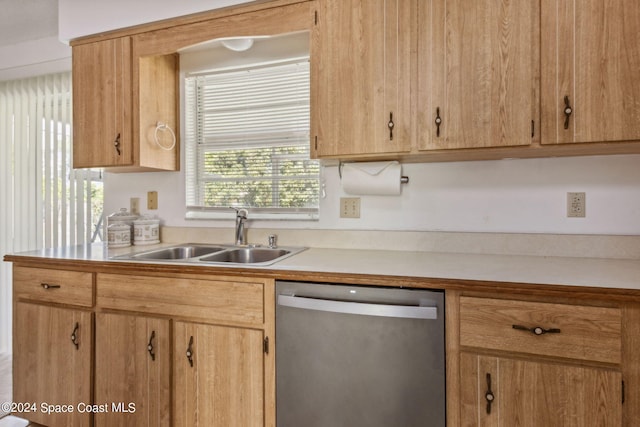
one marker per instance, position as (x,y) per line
(24,20)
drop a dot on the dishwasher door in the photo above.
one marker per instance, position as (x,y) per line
(358,356)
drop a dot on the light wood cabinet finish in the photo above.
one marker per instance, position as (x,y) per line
(102,104)
(361,77)
(118,99)
(47,366)
(231,378)
(227,300)
(477,73)
(127,372)
(57,286)
(586,333)
(223,385)
(532,393)
(590,54)
(577,377)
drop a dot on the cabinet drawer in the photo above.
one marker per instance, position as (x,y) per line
(228,300)
(574,331)
(59,286)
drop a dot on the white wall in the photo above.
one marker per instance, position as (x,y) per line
(523,196)
(77,18)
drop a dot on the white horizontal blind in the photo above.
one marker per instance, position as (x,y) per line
(43,202)
(247,139)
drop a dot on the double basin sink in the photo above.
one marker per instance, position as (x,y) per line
(217,254)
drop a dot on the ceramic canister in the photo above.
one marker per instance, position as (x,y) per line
(119,235)
(146,231)
(122,217)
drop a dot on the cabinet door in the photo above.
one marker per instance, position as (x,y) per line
(590,57)
(361,57)
(531,393)
(477,73)
(132,367)
(218,376)
(52,362)
(102,134)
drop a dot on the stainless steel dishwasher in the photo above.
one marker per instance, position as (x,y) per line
(359,356)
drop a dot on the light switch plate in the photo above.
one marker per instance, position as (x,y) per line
(152,200)
(350,207)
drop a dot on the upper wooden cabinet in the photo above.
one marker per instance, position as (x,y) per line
(118,100)
(590,55)
(102,104)
(361,82)
(477,73)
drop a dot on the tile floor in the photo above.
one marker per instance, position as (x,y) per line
(5,393)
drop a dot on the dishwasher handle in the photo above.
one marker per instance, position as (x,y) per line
(359,308)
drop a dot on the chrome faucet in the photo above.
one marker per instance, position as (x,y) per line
(241,232)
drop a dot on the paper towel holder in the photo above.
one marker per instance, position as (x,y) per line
(403,179)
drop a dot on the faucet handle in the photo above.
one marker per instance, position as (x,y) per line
(240,212)
(272,241)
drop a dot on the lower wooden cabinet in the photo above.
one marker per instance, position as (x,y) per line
(218,376)
(52,364)
(133,371)
(501,391)
(531,363)
(211,364)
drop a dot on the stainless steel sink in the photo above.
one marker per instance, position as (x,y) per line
(246,255)
(215,254)
(177,252)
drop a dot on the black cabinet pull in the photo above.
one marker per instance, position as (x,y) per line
(391,126)
(489,396)
(116,144)
(190,352)
(438,121)
(49,286)
(74,336)
(150,346)
(537,330)
(567,112)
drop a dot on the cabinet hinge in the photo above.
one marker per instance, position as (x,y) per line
(533,128)
(266,345)
(622,391)
(315,17)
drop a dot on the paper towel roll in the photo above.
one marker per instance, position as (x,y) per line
(372,178)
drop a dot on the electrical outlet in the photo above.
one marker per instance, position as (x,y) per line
(134,205)
(576,205)
(350,207)
(152,200)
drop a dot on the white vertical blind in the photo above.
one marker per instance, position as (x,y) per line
(43,202)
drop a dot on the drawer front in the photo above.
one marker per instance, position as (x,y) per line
(229,300)
(58,286)
(567,331)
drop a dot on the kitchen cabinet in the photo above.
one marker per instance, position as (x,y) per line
(502,391)
(119,99)
(218,376)
(133,366)
(222,369)
(102,104)
(52,363)
(539,363)
(477,73)
(361,77)
(52,345)
(590,53)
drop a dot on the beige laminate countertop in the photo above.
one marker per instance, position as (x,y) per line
(619,274)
